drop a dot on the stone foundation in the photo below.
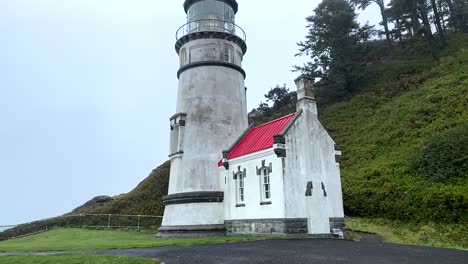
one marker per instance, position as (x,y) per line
(267,227)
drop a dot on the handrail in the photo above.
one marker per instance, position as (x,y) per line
(210,25)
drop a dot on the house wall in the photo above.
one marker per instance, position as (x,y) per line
(252,208)
(311,157)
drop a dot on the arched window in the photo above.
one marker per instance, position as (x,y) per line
(264,174)
(239,178)
(266,188)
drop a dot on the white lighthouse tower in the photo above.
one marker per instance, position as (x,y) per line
(211,114)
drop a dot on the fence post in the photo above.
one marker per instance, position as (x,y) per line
(109,221)
(138,222)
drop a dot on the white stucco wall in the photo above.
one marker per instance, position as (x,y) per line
(311,157)
(253,209)
(213,97)
(193,214)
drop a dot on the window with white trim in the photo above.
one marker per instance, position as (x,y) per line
(239,178)
(264,173)
(266,187)
(240,189)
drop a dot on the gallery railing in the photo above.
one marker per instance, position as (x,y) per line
(210,25)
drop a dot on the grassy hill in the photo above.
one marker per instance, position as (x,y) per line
(145,199)
(409,103)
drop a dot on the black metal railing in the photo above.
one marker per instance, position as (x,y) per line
(210,25)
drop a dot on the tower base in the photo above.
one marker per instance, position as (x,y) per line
(191,231)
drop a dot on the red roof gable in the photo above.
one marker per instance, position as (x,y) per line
(259,138)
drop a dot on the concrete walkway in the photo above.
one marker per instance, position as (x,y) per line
(315,251)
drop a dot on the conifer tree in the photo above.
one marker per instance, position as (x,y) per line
(363,4)
(334,43)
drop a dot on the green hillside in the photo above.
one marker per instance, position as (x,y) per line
(409,105)
(145,199)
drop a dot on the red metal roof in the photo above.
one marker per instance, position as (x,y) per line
(260,137)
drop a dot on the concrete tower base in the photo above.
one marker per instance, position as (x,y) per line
(191,231)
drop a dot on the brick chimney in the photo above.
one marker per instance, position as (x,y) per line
(306,94)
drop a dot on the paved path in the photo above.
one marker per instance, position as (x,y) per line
(301,251)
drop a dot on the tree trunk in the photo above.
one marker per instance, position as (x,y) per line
(442,9)
(425,17)
(415,19)
(398,31)
(453,15)
(383,12)
(437,18)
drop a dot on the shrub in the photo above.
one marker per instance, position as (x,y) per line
(445,156)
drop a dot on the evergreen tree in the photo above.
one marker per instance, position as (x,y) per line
(334,45)
(363,4)
(280,96)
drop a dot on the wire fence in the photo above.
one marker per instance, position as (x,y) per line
(98,221)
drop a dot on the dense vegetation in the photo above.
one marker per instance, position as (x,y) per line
(412,112)
(396,231)
(339,47)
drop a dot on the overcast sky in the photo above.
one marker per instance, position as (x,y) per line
(87,87)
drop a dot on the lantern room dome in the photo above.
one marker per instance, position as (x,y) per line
(232,3)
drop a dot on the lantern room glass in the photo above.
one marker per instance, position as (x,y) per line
(211,9)
(211,15)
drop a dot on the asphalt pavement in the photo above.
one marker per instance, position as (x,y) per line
(314,251)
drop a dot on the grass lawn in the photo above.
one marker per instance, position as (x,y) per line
(73,239)
(436,235)
(74,259)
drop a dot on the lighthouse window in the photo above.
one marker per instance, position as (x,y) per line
(228,50)
(183,57)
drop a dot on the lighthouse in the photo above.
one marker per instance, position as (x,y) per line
(210,115)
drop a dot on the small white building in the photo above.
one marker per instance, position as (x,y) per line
(283,177)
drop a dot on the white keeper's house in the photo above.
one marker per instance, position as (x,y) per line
(283,177)
(279,178)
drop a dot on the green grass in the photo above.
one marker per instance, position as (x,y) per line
(393,231)
(84,239)
(75,259)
